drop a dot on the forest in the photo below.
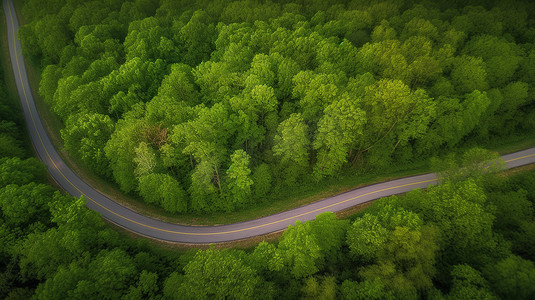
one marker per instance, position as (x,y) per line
(207,106)
(472,237)
(204,106)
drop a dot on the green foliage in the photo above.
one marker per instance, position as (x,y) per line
(368,289)
(262,181)
(395,116)
(330,233)
(305,247)
(10,147)
(338,132)
(291,145)
(68,212)
(23,205)
(120,151)
(106,276)
(369,234)
(512,277)
(63,283)
(523,242)
(164,190)
(178,85)
(147,287)
(110,273)
(468,283)
(202,190)
(145,160)
(196,38)
(49,82)
(460,211)
(401,250)
(291,141)
(239,181)
(21,172)
(218,274)
(301,251)
(325,289)
(469,74)
(211,106)
(366,236)
(40,254)
(267,257)
(85,136)
(313,90)
(502,57)
(512,210)
(79,257)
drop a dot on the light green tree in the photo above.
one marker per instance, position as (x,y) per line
(291,146)
(291,141)
(239,179)
(337,134)
(219,275)
(164,190)
(120,150)
(469,74)
(85,136)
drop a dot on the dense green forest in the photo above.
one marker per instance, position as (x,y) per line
(473,237)
(202,106)
(212,105)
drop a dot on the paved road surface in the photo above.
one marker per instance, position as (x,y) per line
(146,226)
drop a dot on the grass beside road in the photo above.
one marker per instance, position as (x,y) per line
(513,144)
(296,197)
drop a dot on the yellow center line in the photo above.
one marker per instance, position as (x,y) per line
(525,156)
(179,232)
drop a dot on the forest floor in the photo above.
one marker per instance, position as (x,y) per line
(295,198)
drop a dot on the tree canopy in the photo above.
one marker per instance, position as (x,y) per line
(202,106)
(310,90)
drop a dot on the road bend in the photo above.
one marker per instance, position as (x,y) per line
(160,230)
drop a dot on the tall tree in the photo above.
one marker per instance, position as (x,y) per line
(85,136)
(218,274)
(291,146)
(26,204)
(338,133)
(239,179)
(21,172)
(512,277)
(120,151)
(469,74)
(164,190)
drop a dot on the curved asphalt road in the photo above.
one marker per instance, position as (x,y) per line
(146,226)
